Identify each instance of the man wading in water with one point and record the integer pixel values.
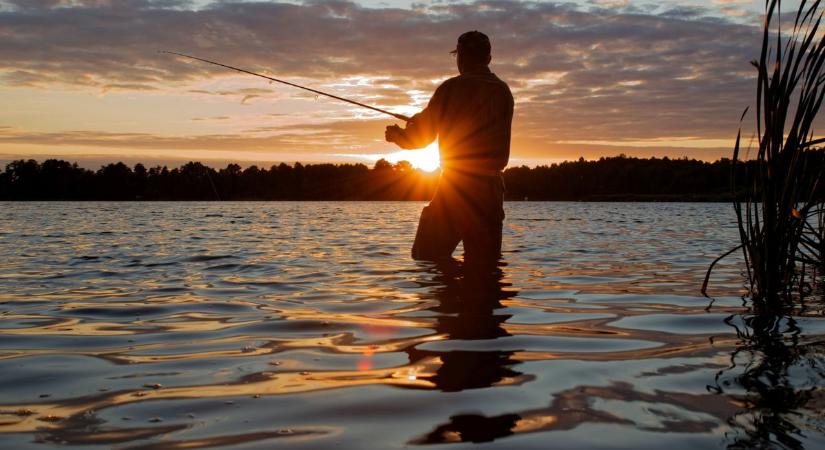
(471, 115)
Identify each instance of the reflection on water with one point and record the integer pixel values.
(776, 372)
(464, 308)
(194, 325)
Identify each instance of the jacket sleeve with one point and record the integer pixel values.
(422, 130)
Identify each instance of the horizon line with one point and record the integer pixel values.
(212, 162)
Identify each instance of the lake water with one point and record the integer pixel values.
(307, 325)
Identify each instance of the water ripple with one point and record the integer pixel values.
(193, 325)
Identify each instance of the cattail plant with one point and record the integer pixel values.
(780, 217)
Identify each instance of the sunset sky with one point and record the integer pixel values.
(82, 80)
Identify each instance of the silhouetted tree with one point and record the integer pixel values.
(609, 178)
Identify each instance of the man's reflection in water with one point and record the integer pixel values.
(468, 299)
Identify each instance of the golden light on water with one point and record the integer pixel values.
(425, 159)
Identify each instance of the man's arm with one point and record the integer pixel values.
(422, 129)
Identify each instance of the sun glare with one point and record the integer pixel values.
(425, 159)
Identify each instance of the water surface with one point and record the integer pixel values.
(306, 324)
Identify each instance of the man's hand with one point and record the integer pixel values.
(393, 133)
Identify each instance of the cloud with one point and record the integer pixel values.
(306, 138)
(213, 118)
(245, 94)
(609, 71)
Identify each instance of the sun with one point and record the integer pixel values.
(426, 159)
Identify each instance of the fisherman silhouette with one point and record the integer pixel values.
(471, 115)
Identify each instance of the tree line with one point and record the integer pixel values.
(609, 178)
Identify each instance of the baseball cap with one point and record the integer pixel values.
(473, 42)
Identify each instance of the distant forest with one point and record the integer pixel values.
(618, 178)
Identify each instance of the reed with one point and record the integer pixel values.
(780, 217)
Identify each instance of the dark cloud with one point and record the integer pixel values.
(578, 72)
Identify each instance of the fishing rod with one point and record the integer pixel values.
(397, 116)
